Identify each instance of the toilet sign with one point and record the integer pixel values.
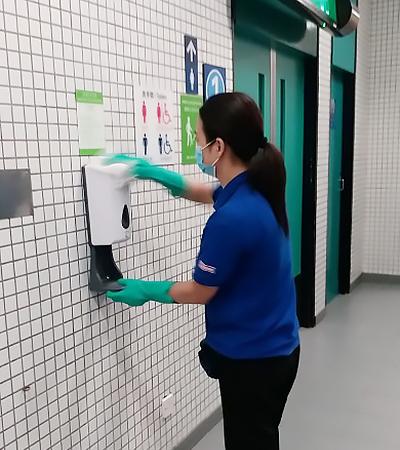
(214, 79)
(155, 124)
(191, 65)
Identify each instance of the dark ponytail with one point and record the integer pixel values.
(267, 174)
(236, 119)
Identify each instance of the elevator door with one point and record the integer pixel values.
(336, 185)
(290, 139)
(252, 74)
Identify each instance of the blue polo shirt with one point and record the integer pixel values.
(245, 253)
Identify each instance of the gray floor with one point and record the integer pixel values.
(347, 394)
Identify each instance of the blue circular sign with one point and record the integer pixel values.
(215, 83)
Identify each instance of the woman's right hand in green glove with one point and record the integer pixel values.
(144, 170)
(139, 167)
(173, 181)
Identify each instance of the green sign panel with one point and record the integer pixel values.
(326, 6)
(190, 105)
(91, 122)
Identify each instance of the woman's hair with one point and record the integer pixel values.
(236, 119)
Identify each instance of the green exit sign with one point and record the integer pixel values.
(341, 17)
(326, 6)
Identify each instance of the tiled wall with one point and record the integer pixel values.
(362, 141)
(325, 46)
(382, 232)
(95, 372)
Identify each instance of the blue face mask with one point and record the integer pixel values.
(208, 169)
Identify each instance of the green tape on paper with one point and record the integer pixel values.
(89, 97)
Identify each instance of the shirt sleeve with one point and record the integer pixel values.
(219, 253)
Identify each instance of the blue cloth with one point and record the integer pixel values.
(245, 253)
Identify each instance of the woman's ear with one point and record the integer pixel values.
(220, 145)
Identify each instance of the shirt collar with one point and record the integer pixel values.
(227, 192)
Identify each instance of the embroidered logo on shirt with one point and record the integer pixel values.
(206, 268)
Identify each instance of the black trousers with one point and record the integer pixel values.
(254, 395)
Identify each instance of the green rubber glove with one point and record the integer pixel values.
(144, 170)
(138, 292)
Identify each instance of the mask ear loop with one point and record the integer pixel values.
(215, 162)
(207, 145)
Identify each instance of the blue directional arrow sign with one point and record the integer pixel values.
(191, 65)
(214, 79)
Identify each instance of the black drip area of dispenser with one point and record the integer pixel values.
(104, 273)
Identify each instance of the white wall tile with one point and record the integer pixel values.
(382, 229)
(362, 141)
(98, 370)
(100, 360)
(324, 96)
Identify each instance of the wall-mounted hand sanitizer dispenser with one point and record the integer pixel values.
(107, 211)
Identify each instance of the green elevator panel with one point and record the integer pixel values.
(290, 139)
(335, 185)
(252, 74)
(344, 52)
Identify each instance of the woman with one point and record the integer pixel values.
(243, 271)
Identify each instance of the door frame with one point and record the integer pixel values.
(346, 197)
(335, 183)
(306, 282)
(348, 75)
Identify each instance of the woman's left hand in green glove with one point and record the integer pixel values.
(139, 292)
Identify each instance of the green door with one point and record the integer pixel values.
(335, 185)
(290, 139)
(252, 74)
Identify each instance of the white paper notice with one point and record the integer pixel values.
(91, 129)
(155, 124)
